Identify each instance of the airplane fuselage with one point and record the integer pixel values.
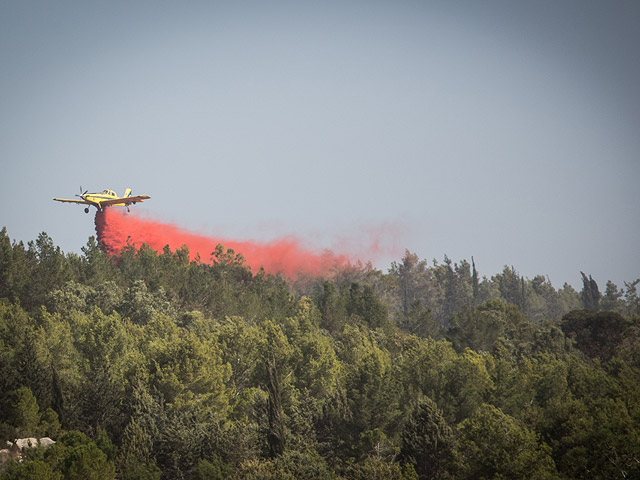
(104, 199)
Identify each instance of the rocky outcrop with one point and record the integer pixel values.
(15, 449)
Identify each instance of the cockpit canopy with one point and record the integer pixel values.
(111, 193)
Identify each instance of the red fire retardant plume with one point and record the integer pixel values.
(115, 228)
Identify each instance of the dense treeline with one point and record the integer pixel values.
(152, 366)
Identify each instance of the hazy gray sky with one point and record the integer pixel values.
(505, 130)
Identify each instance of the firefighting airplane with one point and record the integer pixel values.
(105, 198)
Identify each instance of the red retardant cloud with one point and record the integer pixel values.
(115, 228)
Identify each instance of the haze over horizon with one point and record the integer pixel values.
(505, 131)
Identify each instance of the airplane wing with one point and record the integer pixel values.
(69, 200)
(124, 200)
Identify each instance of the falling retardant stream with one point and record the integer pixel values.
(287, 256)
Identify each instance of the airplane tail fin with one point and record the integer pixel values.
(127, 193)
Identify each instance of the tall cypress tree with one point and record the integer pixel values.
(474, 279)
(590, 294)
(427, 442)
(275, 437)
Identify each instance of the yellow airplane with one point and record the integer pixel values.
(105, 198)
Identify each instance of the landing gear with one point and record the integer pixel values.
(86, 210)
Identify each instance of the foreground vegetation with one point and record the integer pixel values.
(150, 366)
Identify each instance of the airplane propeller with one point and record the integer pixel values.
(81, 192)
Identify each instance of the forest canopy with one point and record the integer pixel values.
(146, 365)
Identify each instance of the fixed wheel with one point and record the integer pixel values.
(86, 210)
